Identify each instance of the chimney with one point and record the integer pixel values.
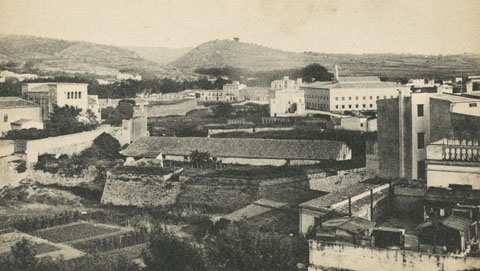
(335, 71)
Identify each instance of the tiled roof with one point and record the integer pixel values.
(354, 85)
(15, 102)
(236, 147)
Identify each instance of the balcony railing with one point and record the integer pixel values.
(461, 150)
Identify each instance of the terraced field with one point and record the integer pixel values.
(66, 233)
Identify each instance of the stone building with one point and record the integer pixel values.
(287, 103)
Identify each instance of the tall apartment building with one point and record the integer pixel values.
(61, 94)
(407, 124)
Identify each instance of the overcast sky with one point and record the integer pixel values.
(346, 26)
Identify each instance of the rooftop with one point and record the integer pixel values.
(454, 98)
(353, 225)
(236, 147)
(324, 202)
(259, 207)
(353, 82)
(15, 102)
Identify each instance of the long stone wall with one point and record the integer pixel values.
(171, 109)
(140, 190)
(330, 256)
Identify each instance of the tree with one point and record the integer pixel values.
(242, 247)
(165, 251)
(315, 72)
(124, 110)
(24, 255)
(88, 119)
(106, 146)
(199, 158)
(63, 120)
(222, 110)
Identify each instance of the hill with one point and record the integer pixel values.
(222, 53)
(160, 55)
(53, 56)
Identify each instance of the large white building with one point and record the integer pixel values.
(61, 94)
(350, 93)
(286, 103)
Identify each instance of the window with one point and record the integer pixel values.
(343, 98)
(336, 107)
(343, 106)
(378, 97)
(421, 170)
(5, 118)
(356, 106)
(391, 96)
(79, 95)
(349, 106)
(349, 98)
(420, 110)
(371, 105)
(75, 94)
(371, 98)
(364, 97)
(364, 106)
(472, 105)
(68, 96)
(361, 124)
(356, 98)
(421, 140)
(336, 98)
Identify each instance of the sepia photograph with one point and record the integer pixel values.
(239, 135)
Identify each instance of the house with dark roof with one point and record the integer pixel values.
(17, 113)
(350, 230)
(250, 151)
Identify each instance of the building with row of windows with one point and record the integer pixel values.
(350, 93)
(61, 94)
(286, 99)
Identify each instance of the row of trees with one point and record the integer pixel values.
(310, 73)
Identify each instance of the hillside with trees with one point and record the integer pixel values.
(253, 57)
(53, 56)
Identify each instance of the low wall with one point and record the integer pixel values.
(344, 178)
(66, 144)
(340, 256)
(181, 108)
(248, 130)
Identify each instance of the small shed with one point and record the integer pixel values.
(350, 230)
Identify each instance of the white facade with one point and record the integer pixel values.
(362, 124)
(286, 83)
(453, 162)
(287, 102)
(233, 88)
(71, 94)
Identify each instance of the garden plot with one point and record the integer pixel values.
(74, 231)
(41, 246)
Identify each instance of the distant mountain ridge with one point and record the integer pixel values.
(253, 57)
(160, 55)
(53, 55)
